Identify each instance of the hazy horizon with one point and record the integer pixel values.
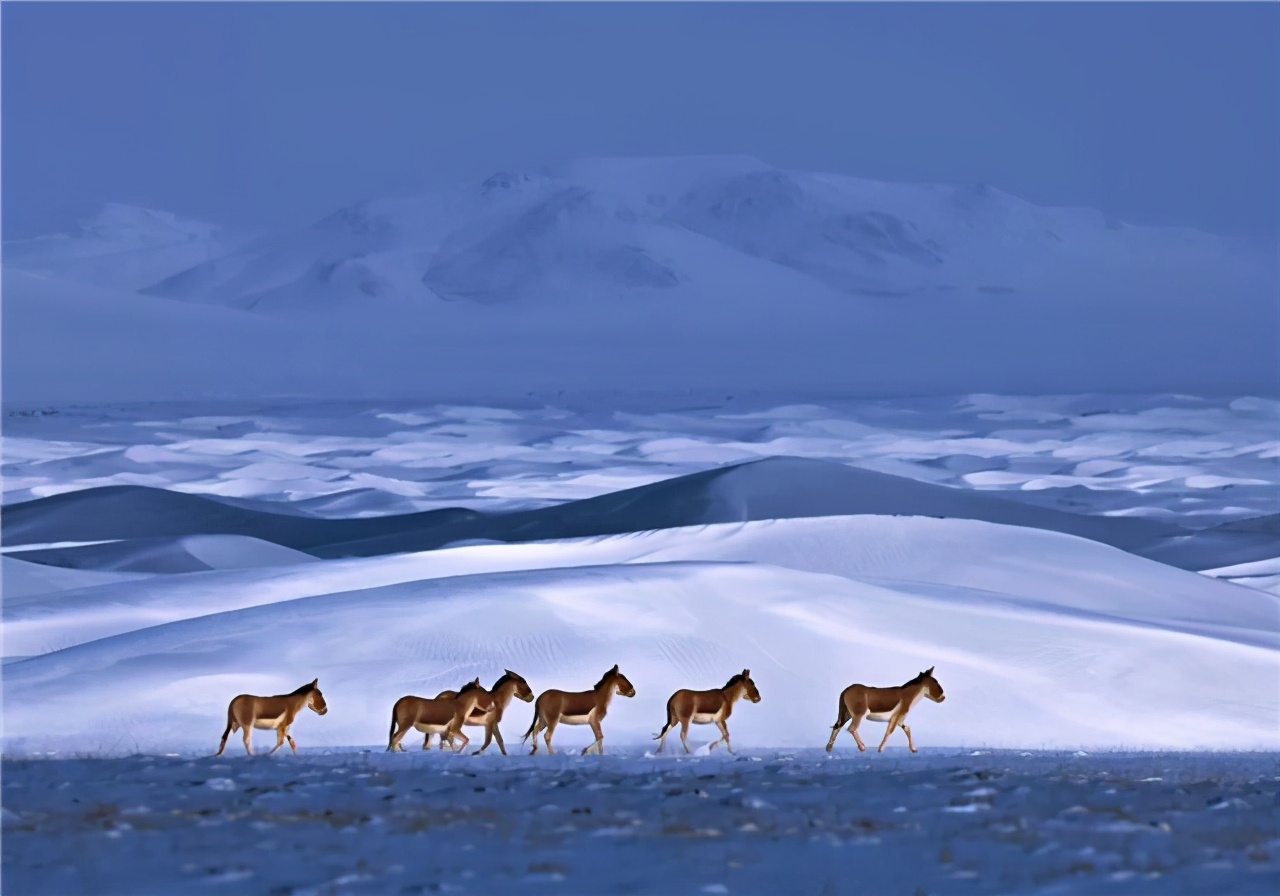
(275, 115)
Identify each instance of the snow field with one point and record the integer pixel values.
(1028, 654)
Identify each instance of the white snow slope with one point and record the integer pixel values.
(1040, 639)
(645, 273)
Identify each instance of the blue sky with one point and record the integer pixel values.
(276, 114)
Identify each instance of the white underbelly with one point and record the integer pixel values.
(879, 716)
(430, 729)
(268, 723)
(576, 720)
(702, 718)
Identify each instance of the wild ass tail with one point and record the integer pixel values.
(671, 720)
(843, 715)
(532, 725)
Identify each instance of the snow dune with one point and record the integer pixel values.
(1040, 639)
(1261, 574)
(19, 578)
(191, 553)
(772, 488)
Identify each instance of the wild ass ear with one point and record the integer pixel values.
(315, 682)
(746, 673)
(476, 680)
(615, 668)
(509, 673)
(928, 672)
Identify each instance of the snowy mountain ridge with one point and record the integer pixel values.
(716, 272)
(610, 226)
(122, 246)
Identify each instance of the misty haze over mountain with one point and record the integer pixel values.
(663, 273)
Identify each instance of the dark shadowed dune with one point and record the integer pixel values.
(773, 488)
(133, 512)
(1239, 541)
(187, 553)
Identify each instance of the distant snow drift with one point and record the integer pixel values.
(717, 272)
(1040, 639)
(134, 528)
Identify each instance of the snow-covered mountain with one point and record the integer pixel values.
(600, 228)
(122, 246)
(703, 272)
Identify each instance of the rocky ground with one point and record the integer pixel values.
(767, 822)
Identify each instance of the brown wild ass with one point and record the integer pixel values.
(436, 716)
(891, 705)
(248, 712)
(508, 686)
(701, 707)
(577, 708)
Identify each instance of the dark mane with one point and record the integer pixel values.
(605, 677)
(732, 681)
(305, 689)
(469, 686)
(919, 678)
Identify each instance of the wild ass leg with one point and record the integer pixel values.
(462, 746)
(247, 728)
(279, 740)
(426, 741)
(894, 720)
(842, 716)
(724, 730)
(907, 732)
(853, 731)
(661, 736)
(599, 742)
(684, 734)
(488, 739)
(292, 745)
(491, 733)
(394, 746)
(551, 726)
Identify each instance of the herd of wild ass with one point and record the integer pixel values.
(447, 713)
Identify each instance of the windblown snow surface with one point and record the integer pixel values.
(1089, 576)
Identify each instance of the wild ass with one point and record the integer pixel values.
(891, 705)
(248, 711)
(577, 708)
(702, 707)
(437, 716)
(508, 686)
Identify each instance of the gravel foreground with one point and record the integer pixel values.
(941, 821)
